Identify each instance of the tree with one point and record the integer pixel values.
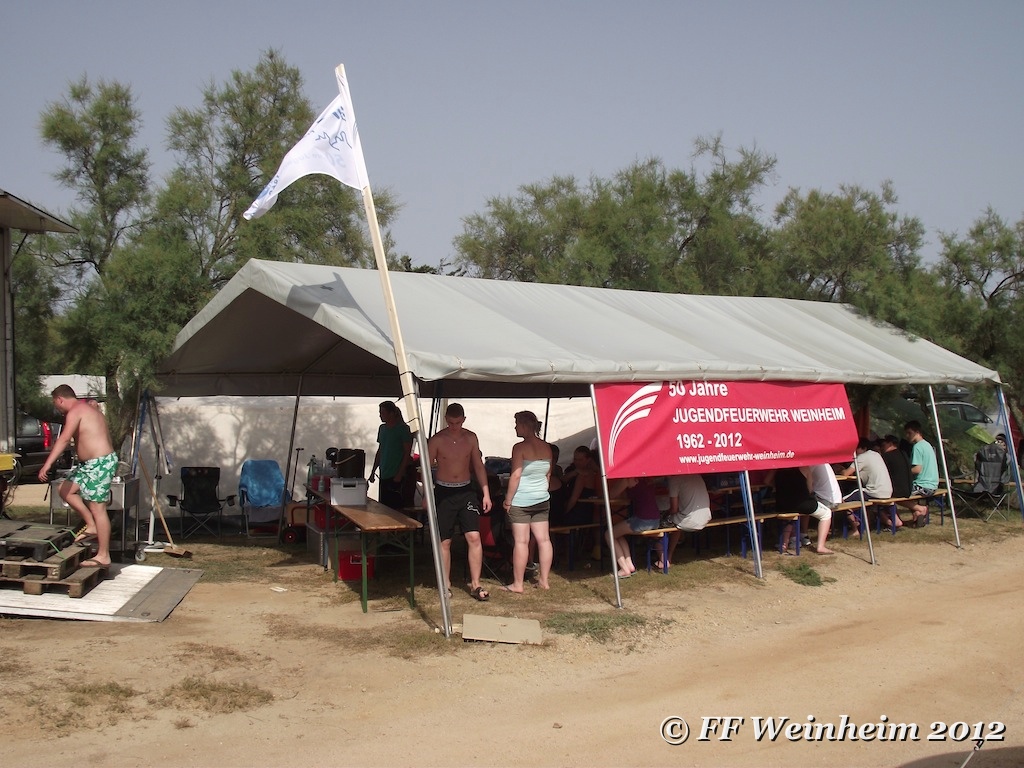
(647, 228)
(850, 246)
(34, 293)
(95, 128)
(228, 149)
(145, 265)
(983, 274)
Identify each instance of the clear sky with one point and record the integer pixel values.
(458, 102)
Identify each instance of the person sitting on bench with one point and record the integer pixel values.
(874, 479)
(925, 471)
(689, 510)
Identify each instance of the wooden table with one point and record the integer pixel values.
(376, 524)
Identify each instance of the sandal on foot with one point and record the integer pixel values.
(481, 594)
(94, 563)
(82, 535)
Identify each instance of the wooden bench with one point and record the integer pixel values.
(894, 503)
(650, 536)
(573, 531)
(852, 506)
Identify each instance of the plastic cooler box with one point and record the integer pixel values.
(347, 491)
(350, 565)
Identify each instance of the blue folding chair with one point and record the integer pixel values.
(262, 496)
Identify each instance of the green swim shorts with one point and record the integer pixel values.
(94, 476)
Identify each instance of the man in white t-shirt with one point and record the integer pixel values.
(821, 482)
(689, 509)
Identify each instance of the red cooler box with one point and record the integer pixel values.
(350, 565)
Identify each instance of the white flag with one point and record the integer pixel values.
(330, 146)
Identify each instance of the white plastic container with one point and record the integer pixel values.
(349, 492)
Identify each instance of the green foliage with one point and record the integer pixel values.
(802, 574)
(849, 247)
(141, 265)
(647, 228)
(228, 149)
(95, 128)
(35, 292)
(982, 275)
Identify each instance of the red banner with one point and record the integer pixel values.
(690, 427)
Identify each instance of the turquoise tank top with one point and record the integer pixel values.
(533, 483)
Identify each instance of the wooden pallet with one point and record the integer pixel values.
(78, 584)
(33, 540)
(56, 567)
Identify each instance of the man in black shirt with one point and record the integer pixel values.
(899, 472)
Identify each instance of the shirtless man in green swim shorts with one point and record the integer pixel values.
(88, 486)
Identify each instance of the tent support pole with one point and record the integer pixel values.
(547, 414)
(435, 535)
(945, 468)
(866, 531)
(748, 508)
(133, 455)
(607, 505)
(1004, 415)
(288, 461)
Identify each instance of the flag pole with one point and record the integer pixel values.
(412, 408)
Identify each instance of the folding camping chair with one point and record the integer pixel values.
(200, 501)
(496, 540)
(262, 496)
(988, 496)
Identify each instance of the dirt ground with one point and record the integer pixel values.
(929, 635)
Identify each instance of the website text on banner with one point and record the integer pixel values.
(687, 427)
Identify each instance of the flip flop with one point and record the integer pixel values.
(823, 553)
(481, 594)
(81, 535)
(93, 563)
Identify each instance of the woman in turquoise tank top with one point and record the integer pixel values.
(527, 501)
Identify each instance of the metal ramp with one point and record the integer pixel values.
(140, 593)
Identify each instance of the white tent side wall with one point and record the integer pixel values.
(225, 431)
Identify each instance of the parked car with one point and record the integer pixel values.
(34, 438)
(986, 419)
(941, 391)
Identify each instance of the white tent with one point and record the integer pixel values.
(287, 329)
(292, 329)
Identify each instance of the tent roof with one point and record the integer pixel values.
(15, 213)
(275, 322)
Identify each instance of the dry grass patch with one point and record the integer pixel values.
(9, 663)
(112, 697)
(238, 559)
(594, 625)
(214, 697)
(78, 706)
(218, 656)
(405, 640)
